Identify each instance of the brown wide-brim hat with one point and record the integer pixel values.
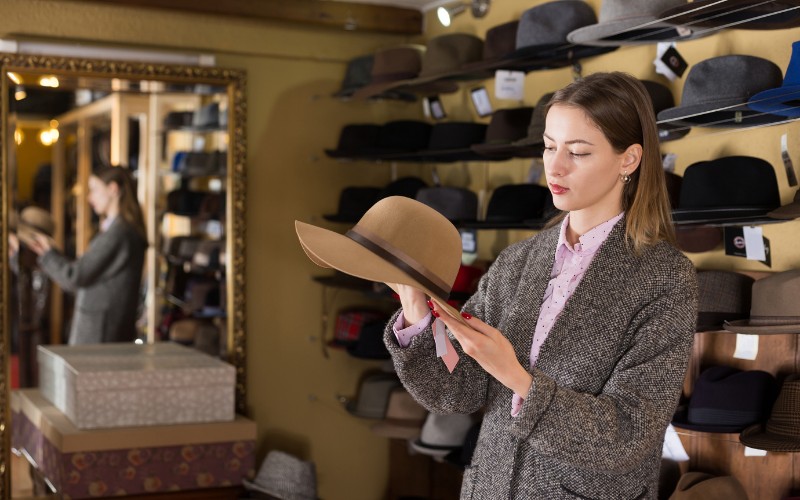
(774, 308)
(789, 211)
(702, 486)
(398, 241)
(391, 67)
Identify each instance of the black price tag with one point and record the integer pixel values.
(674, 61)
(735, 244)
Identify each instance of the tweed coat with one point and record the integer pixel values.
(605, 385)
(106, 280)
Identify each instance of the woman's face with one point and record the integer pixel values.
(102, 196)
(582, 169)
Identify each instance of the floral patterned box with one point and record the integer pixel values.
(127, 384)
(131, 460)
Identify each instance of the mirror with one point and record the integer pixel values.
(180, 132)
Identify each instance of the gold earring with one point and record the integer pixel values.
(625, 178)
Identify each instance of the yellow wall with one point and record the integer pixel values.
(291, 70)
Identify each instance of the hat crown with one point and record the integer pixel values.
(37, 218)
(724, 291)
(455, 203)
(508, 125)
(397, 63)
(373, 395)
(729, 80)
(614, 10)
(551, 22)
(358, 72)
(776, 297)
(445, 430)
(517, 202)
(785, 417)
(740, 181)
(500, 40)
(285, 476)
(792, 76)
(449, 52)
(727, 396)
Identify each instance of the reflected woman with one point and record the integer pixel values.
(107, 277)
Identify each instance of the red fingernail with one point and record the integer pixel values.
(466, 315)
(435, 314)
(430, 304)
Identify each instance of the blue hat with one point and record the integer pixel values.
(782, 101)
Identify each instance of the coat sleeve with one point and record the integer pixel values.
(618, 428)
(425, 375)
(86, 270)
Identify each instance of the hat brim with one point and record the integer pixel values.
(735, 114)
(398, 429)
(332, 250)
(550, 56)
(709, 14)
(744, 326)
(777, 101)
(434, 451)
(620, 32)
(342, 218)
(756, 436)
(786, 212)
(720, 215)
(441, 155)
(716, 429)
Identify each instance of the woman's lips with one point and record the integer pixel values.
(556, 189)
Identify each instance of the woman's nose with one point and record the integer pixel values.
(554, 165)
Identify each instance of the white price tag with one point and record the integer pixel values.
(746, 346)
(753, 452)
(509, 84)
(673, 448)
(754, 243)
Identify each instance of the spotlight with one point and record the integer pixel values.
(446, 14)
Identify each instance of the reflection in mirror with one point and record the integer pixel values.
(72, 141)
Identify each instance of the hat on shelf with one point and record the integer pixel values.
(723, 296)
(355, 138)
(630, 22)
(542, 36)
(391, 244)
(532, 144)
(781, 432)
(661, 96)
(369, 344)
(449, 142)
(399, 137)
(505, 127)
(784, 100)
(404, 416)
(727, 190)
(673, 182)
(209, 117)
(499, 42)
(459, 205)
(200, 334)
(712, 15)
(444, 57)
(726, 399)
(467, 280)
(407, 186)
(390, 66)
(356, 76)
(515, 206)
(442, 434)
(716, 91)
(774, 306)
(373, 395)
(349, 324)
(178, 119)
(788, 211)
(354, 201)
(201, 163)
(696, 239)
(286, 477)
(702, 486)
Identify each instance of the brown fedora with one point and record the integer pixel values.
(724, 296)
(444, 57)
(789, 211)
(782, 429)
(390, 66)
(775, 308)
(398, 240)
(702, 486)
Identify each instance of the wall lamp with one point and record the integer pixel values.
(447, 12)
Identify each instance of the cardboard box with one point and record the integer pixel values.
(130, 460)
(126, 384)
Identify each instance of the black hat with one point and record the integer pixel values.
(740, 14)
(515, 205)
(404, 186)
(369, 344)
(354, 201)
(505, 127)
(457, 204)
(727, 190)
(355, 138)
(726, 399)
(449, 141)
(399, 137)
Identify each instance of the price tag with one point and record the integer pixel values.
(787, 162)
(753, 452)
(509, 84)
(746, 346)
(673, 448)
(754, 243)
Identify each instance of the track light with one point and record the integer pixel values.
(447, 12)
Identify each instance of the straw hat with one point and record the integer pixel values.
(398, 240)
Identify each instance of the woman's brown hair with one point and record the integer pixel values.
(619, 105)
(129, 208)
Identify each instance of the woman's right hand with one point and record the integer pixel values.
(414, 303)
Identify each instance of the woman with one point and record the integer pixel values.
(106, 278)
(579, 337)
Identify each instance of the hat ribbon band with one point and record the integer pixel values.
(398, 258)
(774, 320)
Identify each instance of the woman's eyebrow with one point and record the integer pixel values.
(573, 141)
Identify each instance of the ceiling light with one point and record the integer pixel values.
(15, 77)
(19, 93)
(48, 81)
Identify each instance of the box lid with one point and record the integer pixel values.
(127, 365)
(60, 431)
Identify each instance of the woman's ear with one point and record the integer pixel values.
(631, 158)
(114, 188)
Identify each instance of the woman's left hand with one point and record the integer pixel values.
(490, 348)
(41, 244)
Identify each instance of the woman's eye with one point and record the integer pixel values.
(578, 155)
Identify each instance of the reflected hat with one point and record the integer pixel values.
(716, 91)
(285, 476)
(789, 211)
(542, 36)
(698, 238)
(441, 434)
(505, 127)
(774, 308)
(726, 399)
(455, 203)
(404, 416)
(391, 66)
(702, 486)
(630, 22)
(373, 395)
(727, 190)
(737, 14)
(783, 100)
(354, 139)
(723, 296)
(356, 76)
(391, 244)
(781, 432)
(511, 205)
(354, 201)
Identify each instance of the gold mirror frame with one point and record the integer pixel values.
(236, 83)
